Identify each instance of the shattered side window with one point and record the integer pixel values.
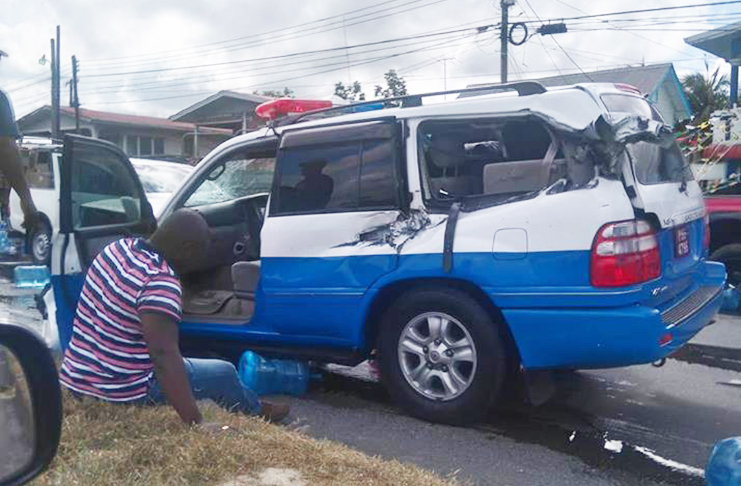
(500, 157)
(235, 178)
(654, 164)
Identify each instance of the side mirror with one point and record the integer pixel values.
(724, 466)
(30, 406)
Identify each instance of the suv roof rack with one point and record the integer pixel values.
(523, 88)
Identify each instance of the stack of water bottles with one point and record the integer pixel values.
(26, 276)
(274, 376)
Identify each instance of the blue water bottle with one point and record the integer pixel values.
(724, 466)
(31, 276)
(4, 240)
(731, 299)
(273, 376)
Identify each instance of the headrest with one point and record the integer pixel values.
(447, 152)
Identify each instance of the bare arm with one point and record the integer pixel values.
(161, 334)
(10, 166)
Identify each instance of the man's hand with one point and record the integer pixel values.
(161, 334)
(31, 217)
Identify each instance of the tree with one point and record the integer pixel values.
(395, 85)
(350, 93)
(706, 93)
(270, 93)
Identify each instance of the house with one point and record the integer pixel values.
(137, 136)
(724, 42)
(225, 109)
(659, 82)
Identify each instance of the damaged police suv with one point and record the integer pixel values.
(468, 242)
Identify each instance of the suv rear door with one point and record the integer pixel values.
(336, 192)
(101, 200)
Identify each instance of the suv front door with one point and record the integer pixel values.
(327, 236)
(101, 200)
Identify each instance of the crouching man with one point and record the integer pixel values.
(124, 345)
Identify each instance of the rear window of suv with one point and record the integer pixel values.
(653, 164)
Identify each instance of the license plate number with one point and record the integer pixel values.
(681, 241)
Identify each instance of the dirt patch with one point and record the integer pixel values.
(127, 445)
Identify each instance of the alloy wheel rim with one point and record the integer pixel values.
(41, 243)
(437, 356)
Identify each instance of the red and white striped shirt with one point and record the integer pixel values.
(107, 356)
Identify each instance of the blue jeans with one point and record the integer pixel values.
(213, 379)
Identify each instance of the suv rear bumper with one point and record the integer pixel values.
(619, 336)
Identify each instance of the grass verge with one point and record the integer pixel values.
(125, 445)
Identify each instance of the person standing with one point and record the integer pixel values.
(11, 169)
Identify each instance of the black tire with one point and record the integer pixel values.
(485, 379)
(730, 255)
(40, 244)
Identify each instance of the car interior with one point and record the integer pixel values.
(223, 288)
(487, 157)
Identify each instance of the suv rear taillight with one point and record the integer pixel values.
(625, 253)
(706, 234)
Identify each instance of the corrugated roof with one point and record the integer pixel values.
(93, 116)
(645, 78)
(221, 94)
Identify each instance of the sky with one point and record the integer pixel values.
(157, 57)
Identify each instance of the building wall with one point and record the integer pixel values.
(666, 105)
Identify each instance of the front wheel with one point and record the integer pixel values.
(441, 356)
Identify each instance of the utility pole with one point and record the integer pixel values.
(55, 86)
(54, 108)
(504, 38)
(75, 98)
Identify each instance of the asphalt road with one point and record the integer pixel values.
(637, 425)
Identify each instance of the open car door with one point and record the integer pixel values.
(101, 200)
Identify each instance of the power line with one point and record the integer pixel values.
(626, 12)
(285, 56)
(291, 36)
(342, 67)
(148, 86)
(243, 37)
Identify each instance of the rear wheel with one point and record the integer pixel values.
(41, 244)
(730, 255)
(441, 356)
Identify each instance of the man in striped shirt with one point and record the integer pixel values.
(124, 345)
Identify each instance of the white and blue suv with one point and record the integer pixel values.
(465, 241)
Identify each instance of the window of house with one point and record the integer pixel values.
(145, 145)
(142, 145)
(159, 146)
(485, 157)
(340, 177)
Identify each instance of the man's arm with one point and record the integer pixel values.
(161, 334)
(10, 162)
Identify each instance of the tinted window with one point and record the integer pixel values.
(103, 191)
(656, 165)
(237, 177)
(319, 178)
(38, 170)
(629, 104)
(378, 186)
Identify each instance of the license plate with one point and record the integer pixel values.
(681, 241)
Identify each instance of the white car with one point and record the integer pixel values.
(41, 161)
(160, 180)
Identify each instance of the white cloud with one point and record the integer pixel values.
(117, 30)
